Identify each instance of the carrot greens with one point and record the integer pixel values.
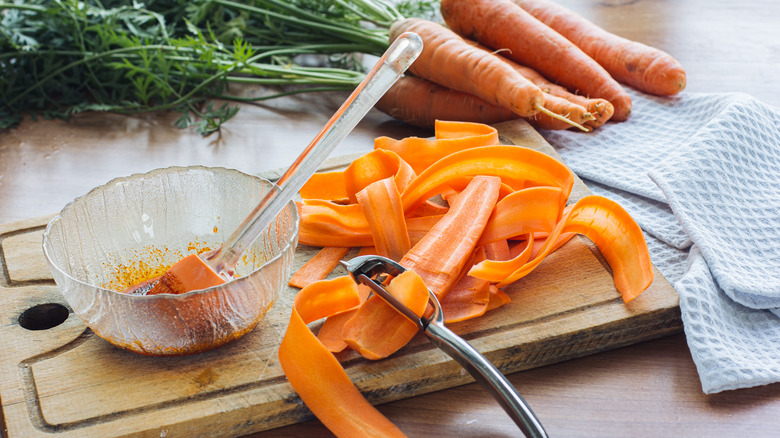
(59, 58)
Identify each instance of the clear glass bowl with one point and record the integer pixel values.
(118, 233)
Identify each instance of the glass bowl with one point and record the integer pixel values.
(136, 227)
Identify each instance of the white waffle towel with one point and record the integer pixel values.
(700, 173)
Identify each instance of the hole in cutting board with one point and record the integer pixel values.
(43, 316)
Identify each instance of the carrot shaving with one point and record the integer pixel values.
(325, 185)
(318, 267)
(326, 388)
(524, 211)
(498, 270)
(518, 167)
(497, 250)
(381, 205)
(497, 298)
(450, 137)
(617, 236)
(454, 236)
(374, 166)
(330, 334)
(469, 298)
(377, 330)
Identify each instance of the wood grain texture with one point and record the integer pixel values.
(648, 389)
(67, 381)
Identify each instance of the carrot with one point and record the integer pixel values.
(501, 24)
(646, 68)
(497, 298)
(381, 204)
(318, 267)
(600, 109)
(374, 166)
(316, 374)
(378, 330)
(451, 62)
(524, 211)
(450, 137)
(517, 166)
(614, 232)
(325, 185)
(498, 250)
(330, 333)
(498, 270)
(441, 255)
(469, 298)
(420, 102)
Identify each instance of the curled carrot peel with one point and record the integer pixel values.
(325, 185)
(497, 298)
(381, 205)
(469, 298)
(318, 267)
(450, 137)
(518, 167)
(454, 236)
(378, 330)
(617, 236)
(375, 166)
(498, 270)
(326, 388)
(524, 211)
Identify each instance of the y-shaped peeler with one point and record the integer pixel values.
(373, 270)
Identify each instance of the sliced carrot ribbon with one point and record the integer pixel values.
(375, 166)
(499, 270)
(617, 236)
(497, 298)
(378, 330)
(325, 185)
(318, 267)
(450, 137)
(316, 374)
(469, 298)
(525, 211)
(454, 236)
(518, 167)
(381, 205)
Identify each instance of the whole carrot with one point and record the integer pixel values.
(501, 24)
(448, 60)
(646, 68)
(420, 102)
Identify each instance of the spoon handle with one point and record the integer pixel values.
(393, 63)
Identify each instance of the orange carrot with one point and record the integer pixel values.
(469, 298)
(498, 250)
(373, 166)
(378, 330)
(614, 232)
(325, 185)
(454, 237)
(646, 68)
(450, 137)
(381, 204)
(318, 267)
(420, 102)
(524, 211)
(330, 334)
(498, 270)
(497, 298)
(600, 109)
(451, 62)
(501, 24)
(518, 167)
(318, 377)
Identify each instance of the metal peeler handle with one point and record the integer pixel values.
(486, 374)
(364, 268)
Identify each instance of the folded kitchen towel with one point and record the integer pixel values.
(701, 174)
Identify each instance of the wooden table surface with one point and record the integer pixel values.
(648, 389)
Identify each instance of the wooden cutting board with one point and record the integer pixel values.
(65, 380)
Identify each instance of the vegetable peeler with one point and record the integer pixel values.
(374, 270)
